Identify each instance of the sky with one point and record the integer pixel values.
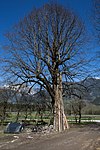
(11, 11)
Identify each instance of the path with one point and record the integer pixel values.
(82, 138)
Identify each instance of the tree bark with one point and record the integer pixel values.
(60, 121)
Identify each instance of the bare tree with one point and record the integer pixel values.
(45, 48)
(5, 98)
(42, 102)
(77, 106)
(22, 100)
(75, 96)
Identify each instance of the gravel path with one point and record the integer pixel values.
(76, 138)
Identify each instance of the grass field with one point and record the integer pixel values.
(11, 117)
(86, 117)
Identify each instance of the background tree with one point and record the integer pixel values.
(22, 101)
(5, 99)
(77, 105)
(42, 102)
(74, 94)
(45, 48)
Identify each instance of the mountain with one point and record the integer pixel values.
(96, 101)
(88, 90)
(93, 89)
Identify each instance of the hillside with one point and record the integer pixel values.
(88, 90)
(93, 90)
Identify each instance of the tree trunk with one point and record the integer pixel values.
(60, 121)
(17, 116)
(76, 118)
(26, 112)
(80, 116)
(4, 111)
(80, 108)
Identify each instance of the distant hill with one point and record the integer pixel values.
(88, 89)
(93, 90)
(96, 101)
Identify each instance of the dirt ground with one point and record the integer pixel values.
(86, 137)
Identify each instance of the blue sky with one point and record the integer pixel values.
(11, 11)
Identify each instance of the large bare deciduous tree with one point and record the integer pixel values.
(45, 49)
